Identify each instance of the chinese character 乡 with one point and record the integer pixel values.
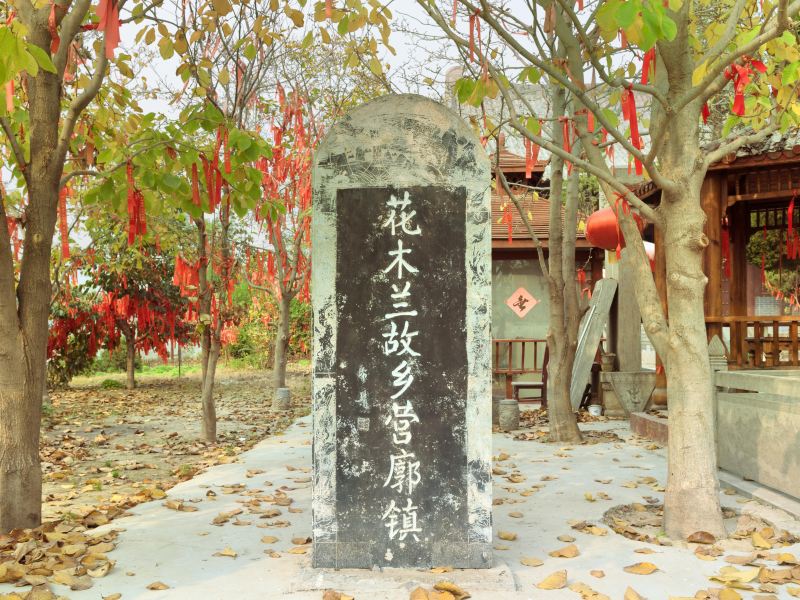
(399, 262)
(403, 472)
(402, 521)
(402, 379)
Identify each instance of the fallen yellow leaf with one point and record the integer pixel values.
(531, 562)
(554, 581)
(158, 586)
(570, 551)
(632, 594)
(641, 568)
(729, 594)
(230, 552)
(759, 541)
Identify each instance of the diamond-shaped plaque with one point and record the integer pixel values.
(521, 302)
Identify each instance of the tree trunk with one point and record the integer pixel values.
(209, 407)
(691, 502)
(23, 326)
(130, 362)
(563, 424)
(20, 470)
(281, 343)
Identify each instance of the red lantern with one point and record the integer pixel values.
(602, 229)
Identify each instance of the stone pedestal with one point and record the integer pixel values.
(282, 400)
(508, 417)
(401, 241)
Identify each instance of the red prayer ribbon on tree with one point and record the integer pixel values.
(108, 12)
(195, 186)
(10, 97)
(725, 241)
(531, 157)
(648, 61)
(740, 75)
(790, 235)
(52, 27)
(62, 222)
(705, 112)
(629, 114)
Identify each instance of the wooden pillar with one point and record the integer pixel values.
(713, 198)
(629, 320)
(660, 391)
(598, 256)
(739, 227)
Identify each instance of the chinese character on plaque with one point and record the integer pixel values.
(521, 302)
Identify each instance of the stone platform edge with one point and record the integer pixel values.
(650, 427)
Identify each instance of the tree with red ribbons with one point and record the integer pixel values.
(132, 299)
(51, 72)
(744, 58)
(283, 268)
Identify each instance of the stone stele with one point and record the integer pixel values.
(401, 284)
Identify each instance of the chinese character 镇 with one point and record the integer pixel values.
(402, 521)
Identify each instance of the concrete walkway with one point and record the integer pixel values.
(555, 486)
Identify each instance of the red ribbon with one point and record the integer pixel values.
(649, 60)
(567, 143)
(705, 112)
(52, 27)
(726, 246)
(531, 157)
(629, 114)
(509, 221)
(62, 222)
(108, 11)
(195, 186)
(10, 97)
(740, 75)
(137, 220)
(790, 226)
(474, 29)
(764, 258)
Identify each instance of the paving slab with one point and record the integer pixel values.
(177, 548)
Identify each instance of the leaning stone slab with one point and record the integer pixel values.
(401, 241)
(589, 334)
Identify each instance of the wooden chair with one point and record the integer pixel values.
(535, 385)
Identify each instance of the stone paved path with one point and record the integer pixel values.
(177, 548)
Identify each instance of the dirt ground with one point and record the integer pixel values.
(105, 449)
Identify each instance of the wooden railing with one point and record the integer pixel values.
(758, 342)
(517, 357)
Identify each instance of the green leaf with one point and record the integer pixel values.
(789, 74)
(464, 88)
(41, 58)
(626, 14)
(170, 181)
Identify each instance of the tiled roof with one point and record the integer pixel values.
(513, 163)
(538, 211)
(773, 148)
